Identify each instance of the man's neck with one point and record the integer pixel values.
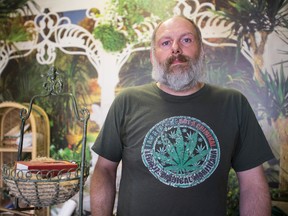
(186, 92)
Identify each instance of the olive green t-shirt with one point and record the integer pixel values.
(177, 151)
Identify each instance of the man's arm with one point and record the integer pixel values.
(254, 193)
(103, 187)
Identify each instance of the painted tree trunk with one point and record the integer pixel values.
(281, 126)
(258, 46)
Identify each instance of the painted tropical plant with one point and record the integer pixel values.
(71, 152)
(277, 92)
(111, 39)
(276, 85)
(233, 195)
(76, 75)
(253, 21)
(12, 28)
(253, 17)
(136, 71)
(117, 30)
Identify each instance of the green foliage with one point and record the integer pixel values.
(233, 195)
(136, 71)
(219, 74)
(74, 152)
(278, 194)
(9, 7)
(132, 13)
(70, 154)
(5, 91)
(24, 81)
(276, 93)
(223, 69)
(255, 15)
(75, 71)
(29, 80)
(135, 10)
(270, 99)
(249, 16)
(12, 28)
(111, 39)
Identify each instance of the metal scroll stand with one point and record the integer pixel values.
(54, 86)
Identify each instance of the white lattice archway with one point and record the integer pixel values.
(54, 32)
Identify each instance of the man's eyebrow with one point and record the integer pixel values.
(182, 35)
(188, 33)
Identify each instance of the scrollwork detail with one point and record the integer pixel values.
(54, 82)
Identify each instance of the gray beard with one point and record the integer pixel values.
(178, 78)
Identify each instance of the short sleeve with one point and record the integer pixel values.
(252, 148)
(108, 142)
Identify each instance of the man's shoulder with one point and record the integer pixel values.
(223, 90)
(224, 94)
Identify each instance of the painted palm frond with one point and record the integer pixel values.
(12, 7)
(250, 16)
(12, 19)
(277, 91)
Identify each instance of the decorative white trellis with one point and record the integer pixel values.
(52, 32)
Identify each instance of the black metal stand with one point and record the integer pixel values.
(54, 87)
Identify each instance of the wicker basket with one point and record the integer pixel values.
(40, 190)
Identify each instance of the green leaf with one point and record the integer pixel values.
(111, 39)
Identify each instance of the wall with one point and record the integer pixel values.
(63, 34)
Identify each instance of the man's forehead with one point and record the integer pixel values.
(175, 25)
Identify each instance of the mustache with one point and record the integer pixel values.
(179, 57)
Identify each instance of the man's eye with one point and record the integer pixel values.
(187, 40)
(165, 43)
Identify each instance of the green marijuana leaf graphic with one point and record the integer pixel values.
(178, 153)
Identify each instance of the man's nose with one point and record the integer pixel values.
(176, 49)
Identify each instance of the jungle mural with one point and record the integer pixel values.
(104, 48)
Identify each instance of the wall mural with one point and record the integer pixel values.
(104, 47)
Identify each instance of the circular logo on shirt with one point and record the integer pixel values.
(181, 151)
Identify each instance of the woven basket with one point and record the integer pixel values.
(39, 190)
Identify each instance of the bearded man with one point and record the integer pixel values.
(177, 139)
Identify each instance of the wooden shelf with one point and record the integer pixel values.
(39, 128)
(13, 149)
(4, 147)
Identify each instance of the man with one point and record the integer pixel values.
(178, 138)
